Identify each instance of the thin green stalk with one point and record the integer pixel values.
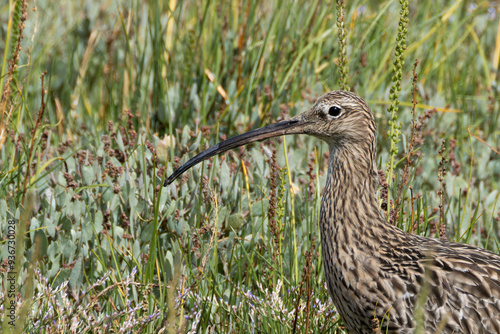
(395, 127)
(214, 236)
(343, 68)
(457, 238)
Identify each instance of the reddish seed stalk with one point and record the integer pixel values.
(406, 170)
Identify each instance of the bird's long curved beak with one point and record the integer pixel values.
(294, 125)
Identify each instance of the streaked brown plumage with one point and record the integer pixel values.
(372, 268)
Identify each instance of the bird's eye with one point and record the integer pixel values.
(335, 111)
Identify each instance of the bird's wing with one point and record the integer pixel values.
(462, 284)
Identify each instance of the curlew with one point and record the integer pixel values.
(410, 283)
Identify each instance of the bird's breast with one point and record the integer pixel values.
(360, 289)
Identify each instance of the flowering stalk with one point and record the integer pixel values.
(395, 127)
(343, 69)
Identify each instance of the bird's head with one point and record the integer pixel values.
(340, 118)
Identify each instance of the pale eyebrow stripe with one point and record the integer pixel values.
(347, 104)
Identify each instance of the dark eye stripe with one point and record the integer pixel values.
(335, 111)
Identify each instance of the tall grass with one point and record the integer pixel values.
(134, 89)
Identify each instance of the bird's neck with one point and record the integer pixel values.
(353, 230)
(349, 199)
